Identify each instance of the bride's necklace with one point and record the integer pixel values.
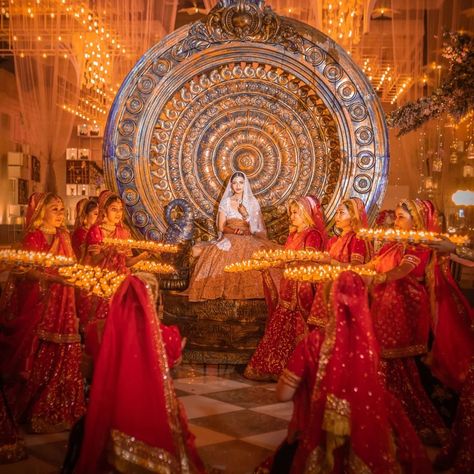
(48, 229)
(108, 227)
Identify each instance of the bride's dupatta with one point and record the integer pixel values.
(134, 421)
(349, 427)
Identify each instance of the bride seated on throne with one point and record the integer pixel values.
(241, 232)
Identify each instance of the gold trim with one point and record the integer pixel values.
(357, 465)
(357, 258)
(464, 252)
(411, 259)
(290, 379)
(172, 406)
(58, 338)
(133, 456)
(409, 351)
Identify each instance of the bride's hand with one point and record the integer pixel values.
(243, 211)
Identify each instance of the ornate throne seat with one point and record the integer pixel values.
(241, 89)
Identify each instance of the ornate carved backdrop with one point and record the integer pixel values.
(244, 89)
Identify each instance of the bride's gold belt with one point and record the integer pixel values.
(237, 224)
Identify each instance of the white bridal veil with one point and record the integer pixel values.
(250, 203)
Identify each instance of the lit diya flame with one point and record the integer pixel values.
(150, 246)
(98, 281)
(319, 273)
(410, 236)
(283, 255)
(252, 264)
(30, 258)
(153, 267)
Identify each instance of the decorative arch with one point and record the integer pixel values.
(244, 89)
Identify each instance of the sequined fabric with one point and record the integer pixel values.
(42, 348)
(209, 281)
(286, 325)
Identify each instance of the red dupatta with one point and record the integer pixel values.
(133, 409)
(452, 315)
(348, 421)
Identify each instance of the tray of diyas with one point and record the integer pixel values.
(319, 273)
(95, 280)
(153, 267)
(287, 256)
(409, 236)
(148, 245)
(29, 258)
(252, 264)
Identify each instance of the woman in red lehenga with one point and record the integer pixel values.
(452, 319)
(109, 224)
(346, 248)
(289, 309)
(344, 421)
(134, 422)
(401, 314)
(87, 211)
(40, 343)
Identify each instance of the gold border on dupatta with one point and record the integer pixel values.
(130, 455)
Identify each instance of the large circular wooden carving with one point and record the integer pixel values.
(244, 90)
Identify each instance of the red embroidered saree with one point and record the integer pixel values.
(134, 419)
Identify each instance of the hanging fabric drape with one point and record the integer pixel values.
(70, 60)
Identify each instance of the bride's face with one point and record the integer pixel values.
(237, 185)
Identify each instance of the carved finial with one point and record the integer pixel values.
(243, 20)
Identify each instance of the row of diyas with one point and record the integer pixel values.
(284, 255)
(319, 273)
(98, 281)
(153, 267)
(252, 264)
(147, 245)
(411, 236)
(104, 283)
(27, 258)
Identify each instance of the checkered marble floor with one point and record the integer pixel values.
(237, 422)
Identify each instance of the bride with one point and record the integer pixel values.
(241, 232)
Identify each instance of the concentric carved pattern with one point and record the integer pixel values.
(252, 118)
(244, 90)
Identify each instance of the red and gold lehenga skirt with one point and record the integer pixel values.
(401, 314)
(288, 313)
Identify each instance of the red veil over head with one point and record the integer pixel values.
(348, 397)
(313, 213)
(352, 417)
(33, 211)
(452, 315)
(357, 209)
(423, 213)
(133, 415)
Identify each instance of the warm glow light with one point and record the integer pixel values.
(463, 198)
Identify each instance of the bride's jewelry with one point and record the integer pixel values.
(48, 229)
(108, 227)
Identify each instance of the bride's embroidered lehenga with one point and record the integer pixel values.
(241, 238)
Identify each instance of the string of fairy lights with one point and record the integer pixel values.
(71, 31)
